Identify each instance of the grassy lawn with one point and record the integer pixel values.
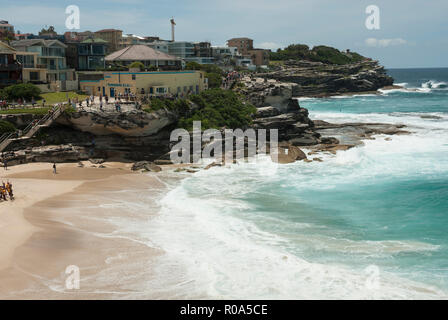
(57, 97)
(40, 111)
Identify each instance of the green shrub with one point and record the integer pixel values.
(214, 80)
(137, 65)
(219, 108)
(322, 54)
(22, 90)
(192, 66)
(6, 126)
(180, 106)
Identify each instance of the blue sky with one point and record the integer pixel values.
(413, 33)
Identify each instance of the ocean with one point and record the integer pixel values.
(367, 223)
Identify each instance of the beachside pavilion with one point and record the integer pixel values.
(146, 55)
(157, 83)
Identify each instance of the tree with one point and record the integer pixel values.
(137, 65)
(6, 126)
(322, 54)
(22, 90)
(192, 66)
(217, 108)
(50, 31)
(214, 80)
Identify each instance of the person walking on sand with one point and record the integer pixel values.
(5, 164)
(54, 168)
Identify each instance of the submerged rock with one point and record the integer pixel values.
(290, 154)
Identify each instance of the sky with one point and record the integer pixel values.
(412, 33)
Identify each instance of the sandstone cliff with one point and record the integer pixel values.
(319, 79)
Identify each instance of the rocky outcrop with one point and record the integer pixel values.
(290, 154)
(20, 121)
(146, 166)
(318, 79)
(277, 109)
(268, 93)
(129, 124)
(58, 154)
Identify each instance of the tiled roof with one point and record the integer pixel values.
(94, 40)
(4, 48)
(31, 42)
(139, 52)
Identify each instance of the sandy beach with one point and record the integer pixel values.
(73, 218)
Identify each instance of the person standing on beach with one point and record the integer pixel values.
(5, 164)
(54, 168)
(9, 190)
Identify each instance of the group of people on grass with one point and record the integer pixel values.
(6, 191)
(4, 104)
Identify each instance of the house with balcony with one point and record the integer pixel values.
(10, 69)
(87, 55)
(31, 70)
(51, 55)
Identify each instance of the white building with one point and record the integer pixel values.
(161, 46)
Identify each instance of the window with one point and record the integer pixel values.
(133, 77)
(34, 76)
(99, 89)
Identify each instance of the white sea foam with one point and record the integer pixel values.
(215, 248)
(227, 257)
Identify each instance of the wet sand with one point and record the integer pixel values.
(76, 218)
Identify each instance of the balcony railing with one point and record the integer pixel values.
(10, 67)
(7, 82)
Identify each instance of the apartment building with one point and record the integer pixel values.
(113, 38)
(87, 55)
(242, 44)
(10, 69)
(50, 56)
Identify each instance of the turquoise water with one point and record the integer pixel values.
(378, 212)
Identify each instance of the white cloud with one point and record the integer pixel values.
(382, 43)
(268, 45)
